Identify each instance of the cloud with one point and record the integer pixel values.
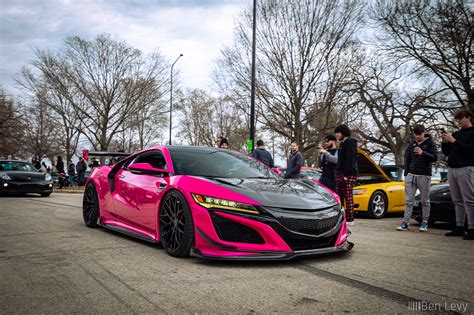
(198, 29)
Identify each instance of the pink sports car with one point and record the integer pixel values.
(214, 203)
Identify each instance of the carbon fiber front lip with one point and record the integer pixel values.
(345, 247)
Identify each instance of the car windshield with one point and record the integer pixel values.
(311, 174)
(219, 163)
(16, 166)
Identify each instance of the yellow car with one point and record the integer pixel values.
(379, 189)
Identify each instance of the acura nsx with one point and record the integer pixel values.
(214, 203)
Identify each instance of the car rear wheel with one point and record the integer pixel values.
(176, 225)
(378, 205)
(90, 206)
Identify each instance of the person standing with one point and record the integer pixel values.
(294, 162)
(71, 172)
(346, 170)
(94, 163)
(218, 141)
(327, 161)
(224, 144)
(81, 168)
(459, 149)
(421, 153)
(60, 165)
(261, 154)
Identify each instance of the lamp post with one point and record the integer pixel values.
(252, 94)
(171, 95)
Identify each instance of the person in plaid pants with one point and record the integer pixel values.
(346, 170)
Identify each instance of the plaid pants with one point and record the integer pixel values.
(344, 190)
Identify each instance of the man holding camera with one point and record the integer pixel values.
(327, 161)
(459, 148)
(421, 153)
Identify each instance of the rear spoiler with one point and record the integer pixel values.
(86, 153)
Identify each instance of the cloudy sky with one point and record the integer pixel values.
(199, 29)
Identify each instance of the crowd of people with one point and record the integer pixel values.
(338, 164)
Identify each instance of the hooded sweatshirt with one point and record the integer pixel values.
(347, 158)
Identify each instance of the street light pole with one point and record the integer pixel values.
(171, 96)
(252, 96)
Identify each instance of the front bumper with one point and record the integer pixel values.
(15, 187)
(274, 234)
(344, 247)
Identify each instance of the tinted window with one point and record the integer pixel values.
(219, 163)
(16, 166)
(155, 159)
(311, 174)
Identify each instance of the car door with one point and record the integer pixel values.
(136, 195)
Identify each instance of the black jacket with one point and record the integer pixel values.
(263, 155)
(347, 158)
(461, 152)
(293, 165)
(421, 164)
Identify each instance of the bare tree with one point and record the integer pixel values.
(11, 126)
(304, 49)
(387, 107)
(106, 81)
(205, 117)
(41, 138)
(439, 35)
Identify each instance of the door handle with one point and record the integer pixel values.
(121, 176)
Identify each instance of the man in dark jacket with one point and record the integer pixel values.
(262, 155)
(81, 168)
(346, 170)
(420, 154)
(327, 161)
(294, 163)
(459, 148)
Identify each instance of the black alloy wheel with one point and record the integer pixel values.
(378, 205)
(45, 194)
(90, 206)
(176, 225)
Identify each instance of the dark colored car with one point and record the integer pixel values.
(18, 177)
(442, 207)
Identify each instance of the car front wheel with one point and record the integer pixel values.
(176, 225)
(378, 205)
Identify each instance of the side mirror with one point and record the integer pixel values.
(278, 171)
(146, 168)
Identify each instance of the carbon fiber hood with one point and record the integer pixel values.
(298, 194)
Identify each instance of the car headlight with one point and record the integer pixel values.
(5, 176)
(359, 191)
(211, 202)
(47, 177)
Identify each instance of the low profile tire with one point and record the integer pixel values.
(90, 206)
(378, 205)
(45, 194)
(176, 225)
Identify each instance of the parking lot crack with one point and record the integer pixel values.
(366, 287)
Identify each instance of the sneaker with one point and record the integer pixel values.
(403, 227)
(469, 235)
(423, 227)
(350, 223)
(458, 231)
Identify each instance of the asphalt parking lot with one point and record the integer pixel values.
(51, 263)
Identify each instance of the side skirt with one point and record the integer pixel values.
(129, 233)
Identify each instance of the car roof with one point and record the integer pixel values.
(15, 161)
